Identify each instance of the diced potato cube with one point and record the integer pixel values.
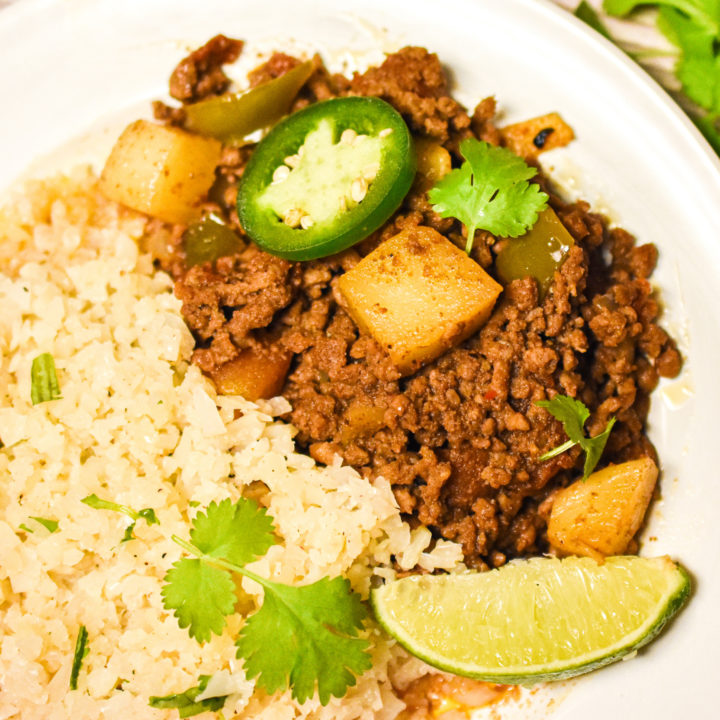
(433, 162)
(417, 294)
(600, 516)
(162, 171)
(253, 374)
(531, 137)
(361, 420)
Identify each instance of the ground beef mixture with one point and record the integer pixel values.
(459, 440)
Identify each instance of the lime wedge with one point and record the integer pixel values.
(533, 620)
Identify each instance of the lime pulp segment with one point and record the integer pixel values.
(533, 620)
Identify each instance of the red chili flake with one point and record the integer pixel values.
(490, 394)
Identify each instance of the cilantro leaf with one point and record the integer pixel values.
(587, 13)
(698, 67)
(594, 447)
(50, 525)
(201, 593)
(44, 385)
(201, 596)
(185, 702)
(573, 414)
(306, 634)
(705, 13)
(146, 514)
(709, 126)
(694, 27)
(238, 533)
(570, 412)
(81, 651)
(490, 191)
(129, 530)
(149, 516)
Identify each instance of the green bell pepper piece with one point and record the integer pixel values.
(209, 240)
(233, 116)
(538, 253)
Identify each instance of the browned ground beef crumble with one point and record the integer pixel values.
(459, 440)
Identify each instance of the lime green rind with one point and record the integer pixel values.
(673, 601)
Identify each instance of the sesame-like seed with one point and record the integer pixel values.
(348, 136)
(293, 217)
(280, 173)
(306, 222)
(371, 171)
(343, 204)
(358, 189)
(385, 132)
(292, 160)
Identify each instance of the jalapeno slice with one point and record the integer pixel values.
(326, 177)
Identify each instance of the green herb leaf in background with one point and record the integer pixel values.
(693, 26)
(185, 702)
(588, 15)
(705, 13)
(698, 67)
(44, 385)
(490, 191)
(709, 126)
(573, 415)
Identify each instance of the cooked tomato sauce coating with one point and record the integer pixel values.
(459, 440)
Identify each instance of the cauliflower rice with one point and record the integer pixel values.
(138, 425)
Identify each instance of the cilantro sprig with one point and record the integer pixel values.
(705, 13)
(146, 514)
(490, 191)
(573, 415)
(186, 703)
(301, 637)
(693, 26)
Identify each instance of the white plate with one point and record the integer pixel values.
(76, 66)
